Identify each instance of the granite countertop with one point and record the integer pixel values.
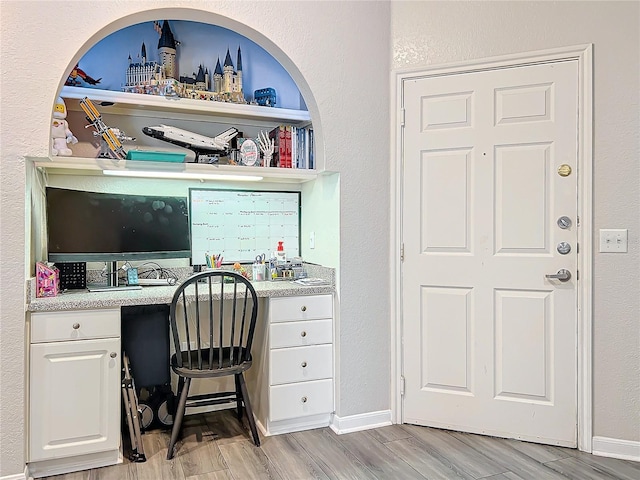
(154, 295)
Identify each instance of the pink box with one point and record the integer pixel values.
(47, 280)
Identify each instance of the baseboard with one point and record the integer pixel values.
(362, 421)
(17, 476)
(615, 448)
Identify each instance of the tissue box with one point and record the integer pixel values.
(47, 280)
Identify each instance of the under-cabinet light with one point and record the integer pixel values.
(182, 175)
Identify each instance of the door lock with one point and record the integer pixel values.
(563, 248)
(563, 275)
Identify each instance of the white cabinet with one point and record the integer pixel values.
(291, 382)
(74, 390)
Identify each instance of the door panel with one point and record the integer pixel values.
(489, 342)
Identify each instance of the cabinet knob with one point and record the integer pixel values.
(76, 326)
(303, 334)
(304, 399)
(304, 364)
(304, 308)
(113, 354)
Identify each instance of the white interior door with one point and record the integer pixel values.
(489, 342)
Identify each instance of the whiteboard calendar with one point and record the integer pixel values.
(241, 224)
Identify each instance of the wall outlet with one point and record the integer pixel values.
(312, 240)
(613, 240)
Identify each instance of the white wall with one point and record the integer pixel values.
(434, 32)
(341, 49)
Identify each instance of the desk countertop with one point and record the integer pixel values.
(82, 299)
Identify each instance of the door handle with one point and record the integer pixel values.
(563, 275)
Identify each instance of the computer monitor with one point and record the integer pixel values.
(107, 227)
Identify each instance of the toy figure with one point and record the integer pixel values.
(60, 133)
(79, 73)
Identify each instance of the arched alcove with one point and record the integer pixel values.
(293, 82)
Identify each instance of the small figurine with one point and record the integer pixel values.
(266, 147)
(78, 72)
(265, 97)
(60, 133)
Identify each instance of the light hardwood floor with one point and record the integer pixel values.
(215, 447)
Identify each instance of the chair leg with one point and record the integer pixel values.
(177, 420)
(249, 410)
(238, 396)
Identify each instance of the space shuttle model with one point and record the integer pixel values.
(201, 145)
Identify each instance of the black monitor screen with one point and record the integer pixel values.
(89, 226)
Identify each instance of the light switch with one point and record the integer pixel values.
(613, 240)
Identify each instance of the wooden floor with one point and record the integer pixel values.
(215, 447)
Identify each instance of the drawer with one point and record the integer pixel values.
(299, 334)
(298, 364)
(300, 399)
(309, 307)
(74, 325)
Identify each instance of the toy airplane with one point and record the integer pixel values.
(106, 133)
(202, 145)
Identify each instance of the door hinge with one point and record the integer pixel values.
(402, 253)
(577, 275)
(402, 385)
(577, 248)
(402, 117)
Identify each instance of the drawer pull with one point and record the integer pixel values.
(304, 399)
(304, 364)
(304, 308)
(303, 334)
(76, 326)
(113, 355)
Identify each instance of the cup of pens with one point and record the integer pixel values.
(258, 274)
(213, 261)
(259, 269)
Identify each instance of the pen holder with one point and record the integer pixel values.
(258, 272)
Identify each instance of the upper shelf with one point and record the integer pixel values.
(125, 103)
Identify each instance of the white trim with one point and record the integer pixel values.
(17, 476)
(585, 240)
(395, 227)
(362, 421)
(616, 448)
(584, 55)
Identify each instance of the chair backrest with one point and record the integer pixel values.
(213, 316)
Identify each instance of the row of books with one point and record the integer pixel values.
(293, 147)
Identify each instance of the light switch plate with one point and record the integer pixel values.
(613, 240)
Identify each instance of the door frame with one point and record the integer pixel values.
(583, 54)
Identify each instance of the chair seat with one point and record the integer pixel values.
(211, 367)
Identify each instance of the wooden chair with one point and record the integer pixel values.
(213, 317)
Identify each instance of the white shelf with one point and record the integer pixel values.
(129, 103)
(97, 166)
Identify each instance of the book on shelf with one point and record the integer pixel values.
(293, 147)
(287, 142)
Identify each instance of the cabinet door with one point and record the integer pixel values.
(74, 398)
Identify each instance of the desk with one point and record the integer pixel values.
(75, 369)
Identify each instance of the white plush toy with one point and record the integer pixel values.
(60, 133)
